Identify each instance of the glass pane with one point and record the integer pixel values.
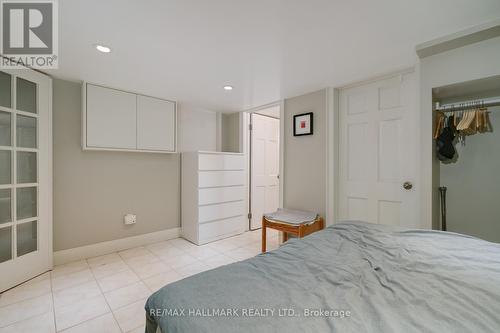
(5, 90)
(26, 132)
(5, 167)
(26, 202)
(5, 136)
(5, 206)
(5, 244)
(26, 167)
(26, 238)
(26, 95)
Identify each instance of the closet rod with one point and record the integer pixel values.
(465, 105)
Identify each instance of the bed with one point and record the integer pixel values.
(350, 277)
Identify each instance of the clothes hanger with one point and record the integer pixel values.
(440, 124)
(465, 118)
(470, 128)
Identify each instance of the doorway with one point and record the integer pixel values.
(264, 155)
(379, 148)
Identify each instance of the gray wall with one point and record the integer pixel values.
(93, 190)
(305, 156)
(230, 132)
(474, 185)
(197, 129)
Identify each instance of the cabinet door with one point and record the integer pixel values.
(111, 118)
(155, 124)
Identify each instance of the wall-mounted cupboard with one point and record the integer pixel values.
(117, 120)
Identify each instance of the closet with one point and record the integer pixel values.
(467, 137)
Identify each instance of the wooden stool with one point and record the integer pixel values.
(300, 230)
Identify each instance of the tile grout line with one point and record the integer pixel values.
(26, 299)
(28, 318)
(140, 280)
(105, 300)
(95, 280)
(53, 303)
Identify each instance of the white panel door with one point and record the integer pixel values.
(111, 118)
(265, 167)
(379, 152)
(25, 176)
(155, 124)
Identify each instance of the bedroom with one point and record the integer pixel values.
(142, 156)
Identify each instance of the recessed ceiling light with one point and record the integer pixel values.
(102, 48)
(228, 88)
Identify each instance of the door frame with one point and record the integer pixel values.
(45, 174)
(246, 148)
(333, 138)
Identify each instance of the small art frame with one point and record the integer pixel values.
(303, 124)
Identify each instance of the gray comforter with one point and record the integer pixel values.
(351, 277)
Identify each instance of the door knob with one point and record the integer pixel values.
(407, 186)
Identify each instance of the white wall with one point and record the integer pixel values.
(467, 63)
(197, 128)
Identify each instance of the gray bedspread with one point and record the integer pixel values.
(357, 277)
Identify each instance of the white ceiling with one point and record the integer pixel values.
(188, 50)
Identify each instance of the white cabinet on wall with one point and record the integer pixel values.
(124, 121)
(154, 116)
(213, 196)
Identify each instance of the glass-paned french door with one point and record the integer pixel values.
(25, 148)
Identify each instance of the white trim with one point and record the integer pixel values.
(131, 150)
(459, 39)
(98, 249)
(282, 153)
(209, 152)
(378, 77)
(50, 177)
(244, 148)
(332, 144)
(84, 115)
(263, 107)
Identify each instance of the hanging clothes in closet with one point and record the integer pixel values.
(457, 123)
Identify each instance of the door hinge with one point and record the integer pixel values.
(249, 216)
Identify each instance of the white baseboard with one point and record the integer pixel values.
(98, 249)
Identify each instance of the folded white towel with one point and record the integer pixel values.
(292, 216)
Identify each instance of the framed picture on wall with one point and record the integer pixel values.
(303, 124)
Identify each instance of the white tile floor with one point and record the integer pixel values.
(108, 293)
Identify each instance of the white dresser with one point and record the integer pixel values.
(213, 196)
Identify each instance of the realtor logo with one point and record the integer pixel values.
(29, 34)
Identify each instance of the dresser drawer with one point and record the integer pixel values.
(220, 178)
(221, 162)
(220, 229)
(220, 211)
(215, 195)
